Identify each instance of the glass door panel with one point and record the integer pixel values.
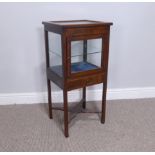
(86, 55)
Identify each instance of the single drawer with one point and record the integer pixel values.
(85, 81)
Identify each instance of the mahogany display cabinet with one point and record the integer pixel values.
(76, 57)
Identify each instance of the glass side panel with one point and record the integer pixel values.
(55, 43)
(86, 55)
(55, 52)
(94, 45)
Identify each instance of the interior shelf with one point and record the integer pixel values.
(75, 54)
(75, 67)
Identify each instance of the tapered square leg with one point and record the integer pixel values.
(65, 113)
(49, 99)
(104, 103)
(84, 98)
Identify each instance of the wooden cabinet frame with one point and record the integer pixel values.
(77, 30)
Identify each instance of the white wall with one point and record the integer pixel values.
(22, 59)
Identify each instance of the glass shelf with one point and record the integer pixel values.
(56, 53)
(78, 54)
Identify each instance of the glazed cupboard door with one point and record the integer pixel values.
(85, 55)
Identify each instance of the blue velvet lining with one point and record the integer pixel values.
(75, 67)
(82, 66)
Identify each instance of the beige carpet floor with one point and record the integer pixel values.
(130, 126)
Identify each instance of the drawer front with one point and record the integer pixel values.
(85, 81)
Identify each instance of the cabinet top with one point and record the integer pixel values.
(76, 23)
